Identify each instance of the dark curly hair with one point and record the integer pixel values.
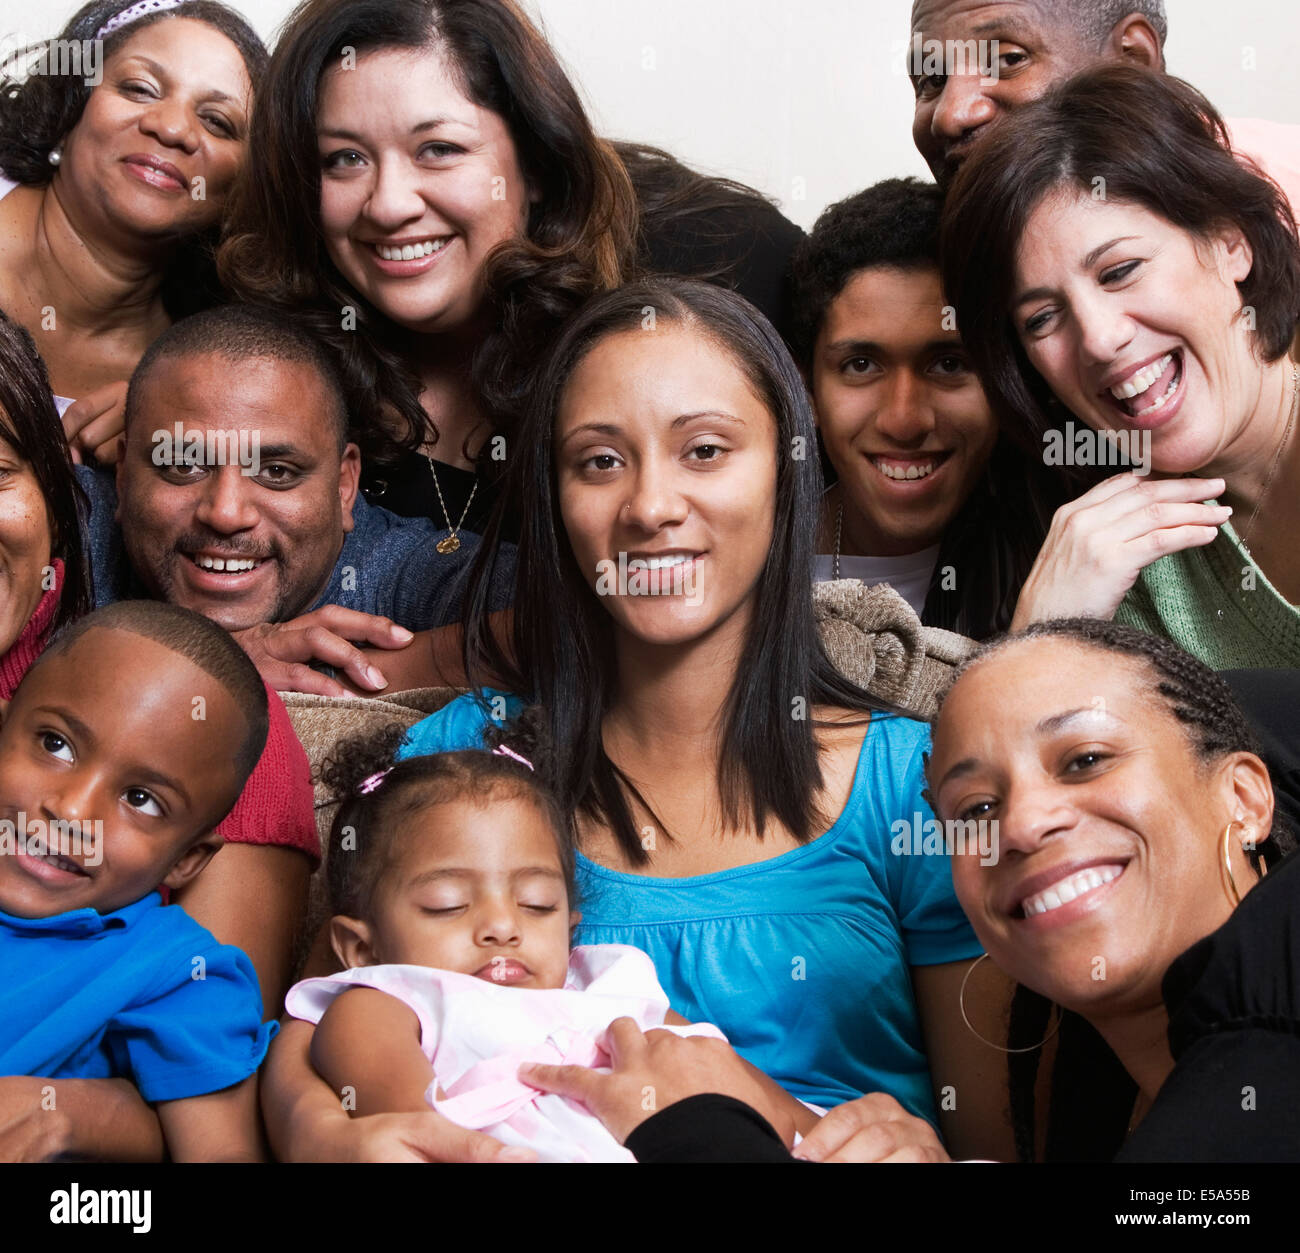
(1092, 1094)
(361, 844)
(38, 110)
(580, 238)
(892, 224)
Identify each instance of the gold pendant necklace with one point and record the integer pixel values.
(451, 541)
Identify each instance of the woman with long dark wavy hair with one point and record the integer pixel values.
(738, 803)
(46, 580)
(437, 260)
(114, 174)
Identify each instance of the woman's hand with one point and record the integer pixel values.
(1099, 544)
(422, 1137)
(94, 422)
(874, 1128)
(305, 1121)
(655, 1069)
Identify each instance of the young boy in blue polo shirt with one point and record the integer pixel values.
(124, 746)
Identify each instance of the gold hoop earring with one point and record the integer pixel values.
(1226, 848)
(961, 1004)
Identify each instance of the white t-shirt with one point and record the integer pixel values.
(7, 185)
(909, 576)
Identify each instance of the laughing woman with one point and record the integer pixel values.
(1135, 820)
(737, 803)
(112, 190)
(1112, 262)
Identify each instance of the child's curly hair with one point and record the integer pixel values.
(376, 792)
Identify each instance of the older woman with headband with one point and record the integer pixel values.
(113, 177)
(1127, 286)
(1134, 821)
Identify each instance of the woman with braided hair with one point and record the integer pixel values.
(1135, 823)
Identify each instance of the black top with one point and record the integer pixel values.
(1234, 1031)
(745, 246)
(708, 1128)
(406, 487)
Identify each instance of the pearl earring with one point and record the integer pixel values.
(56, 155)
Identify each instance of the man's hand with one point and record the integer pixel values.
(874, 1128)
(653, 1070)
(94, 423)
(282, 651)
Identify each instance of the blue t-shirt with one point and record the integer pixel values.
(803, 960)
(388, 565)
(143, 993)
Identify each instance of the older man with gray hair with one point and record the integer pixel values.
(1013, 51)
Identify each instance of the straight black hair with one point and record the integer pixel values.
(561, 651)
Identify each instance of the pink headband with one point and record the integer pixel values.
(366, 786)
(502, 751)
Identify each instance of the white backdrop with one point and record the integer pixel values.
(803, 98)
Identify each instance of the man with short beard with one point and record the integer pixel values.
(280, 549)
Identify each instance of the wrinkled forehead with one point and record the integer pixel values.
(941, 18)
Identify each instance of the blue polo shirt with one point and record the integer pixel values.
(143, 993)
(803, 960)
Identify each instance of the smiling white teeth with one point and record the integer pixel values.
(228, 565)
(1143, 380)
(1069, 889)
(916, 470)
(411, 252)
(665, 563)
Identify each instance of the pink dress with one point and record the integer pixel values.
(476, 1034)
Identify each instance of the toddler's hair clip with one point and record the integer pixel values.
(367, 786)
(502, 751)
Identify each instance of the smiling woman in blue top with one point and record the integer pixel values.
(735, 798)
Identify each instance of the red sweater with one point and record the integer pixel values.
(277, 805)
(34, 636)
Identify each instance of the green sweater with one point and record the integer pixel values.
(1216, 603)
